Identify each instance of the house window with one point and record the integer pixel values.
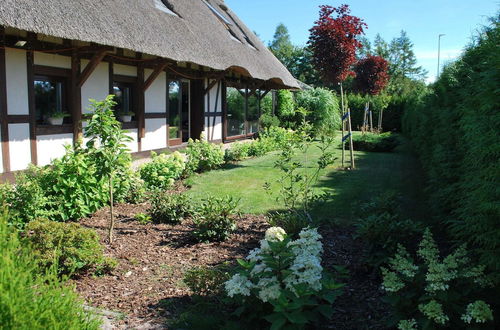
(174, 109)
(51, 100)
(253, 112)
(236, 111)
(124, 92)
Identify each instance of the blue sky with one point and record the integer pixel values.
(423, 20)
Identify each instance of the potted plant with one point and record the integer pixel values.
(56, 117)
(125, 117)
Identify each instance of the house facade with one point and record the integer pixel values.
(179, 69)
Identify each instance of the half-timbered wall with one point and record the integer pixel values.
(213, 110)
(49, 146)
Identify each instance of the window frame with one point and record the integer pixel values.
(130, 82)
(247, 133)
(54, 74)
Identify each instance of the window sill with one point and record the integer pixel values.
(46, 129)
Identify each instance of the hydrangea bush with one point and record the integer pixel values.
(437, 292)
(163, 170)
(286, 278)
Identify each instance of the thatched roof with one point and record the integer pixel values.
(197, 36)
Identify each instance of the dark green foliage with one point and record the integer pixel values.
(323, 109)
(68, 246)
(31, 298)
(203, 156)
(215, 219)
(143, 218)
(384, 142)
(380, 226)
(169, 208)
(136, 193)
(206, 281)
(455, 129)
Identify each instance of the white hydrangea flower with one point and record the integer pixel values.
(407, 324)
(254, 255)
(275, 234)
(269, 289)
(479, 311)
(238, 284)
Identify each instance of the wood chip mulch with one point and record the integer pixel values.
(146, 287)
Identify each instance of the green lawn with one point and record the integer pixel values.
(375, 173)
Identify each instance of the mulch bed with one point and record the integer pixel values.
(146, 288)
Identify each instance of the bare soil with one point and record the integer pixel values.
(146, 287)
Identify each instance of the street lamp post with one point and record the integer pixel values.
(439, 53)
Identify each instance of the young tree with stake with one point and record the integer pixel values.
(107, 144)
(333, 44)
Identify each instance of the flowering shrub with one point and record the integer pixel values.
(163, 170)
(437, 292)
(286, 279)
(203, 156)
(238, 151)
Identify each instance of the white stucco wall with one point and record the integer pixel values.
(156, 94)
(125, 70)
(156, 134)
(52, 60)
(97, 85)
(19, 146)
(50, 147)
(17, 82)
(132, 145)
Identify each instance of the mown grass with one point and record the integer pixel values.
(375, 173)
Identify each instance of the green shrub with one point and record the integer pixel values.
(67, 246)
(278, 136)
(283, 283)
(268, 120)
(203, 156)
(215, 219)
(206, 281)
(143, 218)
(163, 170)
(323, 109)
(260, 147)
(238, 151)
(291, 221)
(170, 208)
(384, 142)
(380, 226)
(31, 298)
(454, 129)
(436, 292)
(136, 193)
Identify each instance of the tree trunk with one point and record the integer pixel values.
(351, 148)
(112, 219)
(343, 125)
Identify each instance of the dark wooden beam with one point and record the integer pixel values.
(76, 97)
(265, 93)
(31, 99)
(4, 124)
(91, 66)
(216, 80)
(141, 122)
(152, 77)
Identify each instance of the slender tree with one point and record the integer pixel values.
(282, 47)
(403, 59)
(333, 42)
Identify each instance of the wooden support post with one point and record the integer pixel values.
(351, 147)
(343, 123)
(4, 123)
(30, 54)
(380, 120)
(91, 66)
(141, 122)
(371, 119)
(76, 97)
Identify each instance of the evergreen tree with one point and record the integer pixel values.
(381, 47)
(282, 47)
(403, 60)
(366, 48)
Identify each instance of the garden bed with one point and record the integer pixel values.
(146, 289)
(152, 260)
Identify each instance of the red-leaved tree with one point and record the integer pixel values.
(333, 42)
(371, 75)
